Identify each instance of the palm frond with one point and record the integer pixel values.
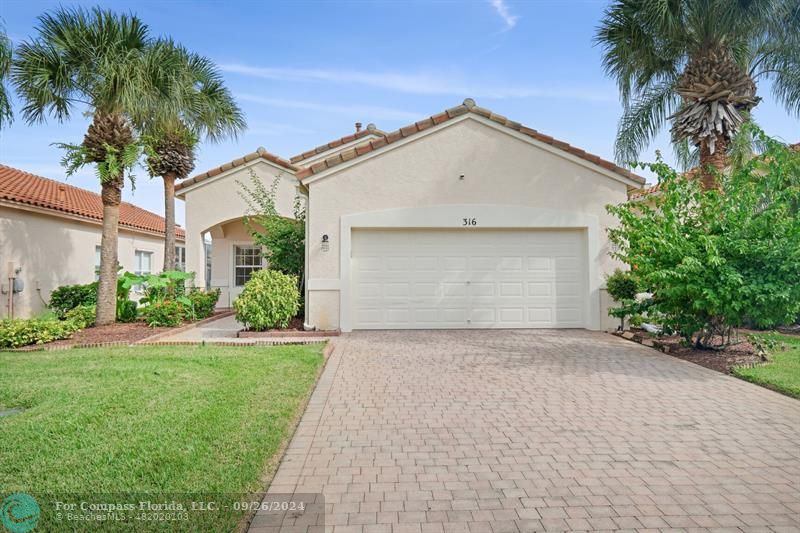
(6, 115)
(686, 155)
(643, 119)
(193, 85)
(80, 57)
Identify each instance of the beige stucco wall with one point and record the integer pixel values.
(498, 169)
(216, 207)
(54, 251)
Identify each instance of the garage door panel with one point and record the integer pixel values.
(462, 279)
(482, 289)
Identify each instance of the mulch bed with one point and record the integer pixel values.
(117, 332)
(740, 354)
(743, 353)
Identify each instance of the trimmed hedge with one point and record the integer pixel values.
(68, 297)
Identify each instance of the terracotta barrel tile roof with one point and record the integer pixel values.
(260, 153)
(647, 191)
(25, 188)
(371, 129)
(691, 174)
(468, 106)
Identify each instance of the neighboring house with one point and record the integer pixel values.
(463, 220)
(51, 231)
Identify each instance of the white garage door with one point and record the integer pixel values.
(420, 279)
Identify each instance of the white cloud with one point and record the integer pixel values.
(369, 112)
(502, 9)
(277, 130)
(425, 83)
(421, 83)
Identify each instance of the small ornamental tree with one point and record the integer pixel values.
(283, 238)
(717, 259)
(622, 286)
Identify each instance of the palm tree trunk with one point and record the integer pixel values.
(107, 286)
(169, 221)
(712, 164)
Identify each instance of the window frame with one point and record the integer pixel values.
(180, 253)
(137, 265)
(235, 267)
(98, 252)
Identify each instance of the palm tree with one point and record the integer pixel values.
(5, 66)
(207, 110)
(96, 60)
(696, 63)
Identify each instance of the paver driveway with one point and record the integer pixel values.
(490, 431)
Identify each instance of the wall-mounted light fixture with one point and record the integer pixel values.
(326, 245)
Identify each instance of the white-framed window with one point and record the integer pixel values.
(97, 251)
(246, 260)
(180, 258)
(143, 263)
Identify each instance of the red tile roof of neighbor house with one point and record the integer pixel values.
(468, 106)
(260, 153)
(371, 129)
(647, 191)
(22, 187)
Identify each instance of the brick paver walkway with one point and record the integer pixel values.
(495, 431)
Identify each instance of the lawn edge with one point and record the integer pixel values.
(732, 374)
(770, 386)
(270, 468)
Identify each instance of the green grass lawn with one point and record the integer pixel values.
(171, 419)
(782, 373)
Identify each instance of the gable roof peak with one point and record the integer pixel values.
(468, 106)
(260, 153)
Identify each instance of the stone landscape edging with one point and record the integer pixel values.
(244, 334)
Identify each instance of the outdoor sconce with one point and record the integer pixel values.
(326, 245)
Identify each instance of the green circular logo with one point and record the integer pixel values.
(19, 513)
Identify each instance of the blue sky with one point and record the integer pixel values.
(304, 72)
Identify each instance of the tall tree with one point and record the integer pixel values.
(6, 49)
(94, 61)
(696, 63)
(206, 110)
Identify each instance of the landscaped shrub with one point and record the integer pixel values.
(164, 313)
(269, 300)
(717, 259)
(622, 285)
(69, 297)
(127, 310)
(83, 316)
(203, 302)
(16, 333)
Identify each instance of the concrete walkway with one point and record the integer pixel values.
(506, 431)
(224, 330)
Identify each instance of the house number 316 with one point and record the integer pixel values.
(469, 221)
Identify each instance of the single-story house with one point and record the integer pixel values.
(51, 232)
(465, 219)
